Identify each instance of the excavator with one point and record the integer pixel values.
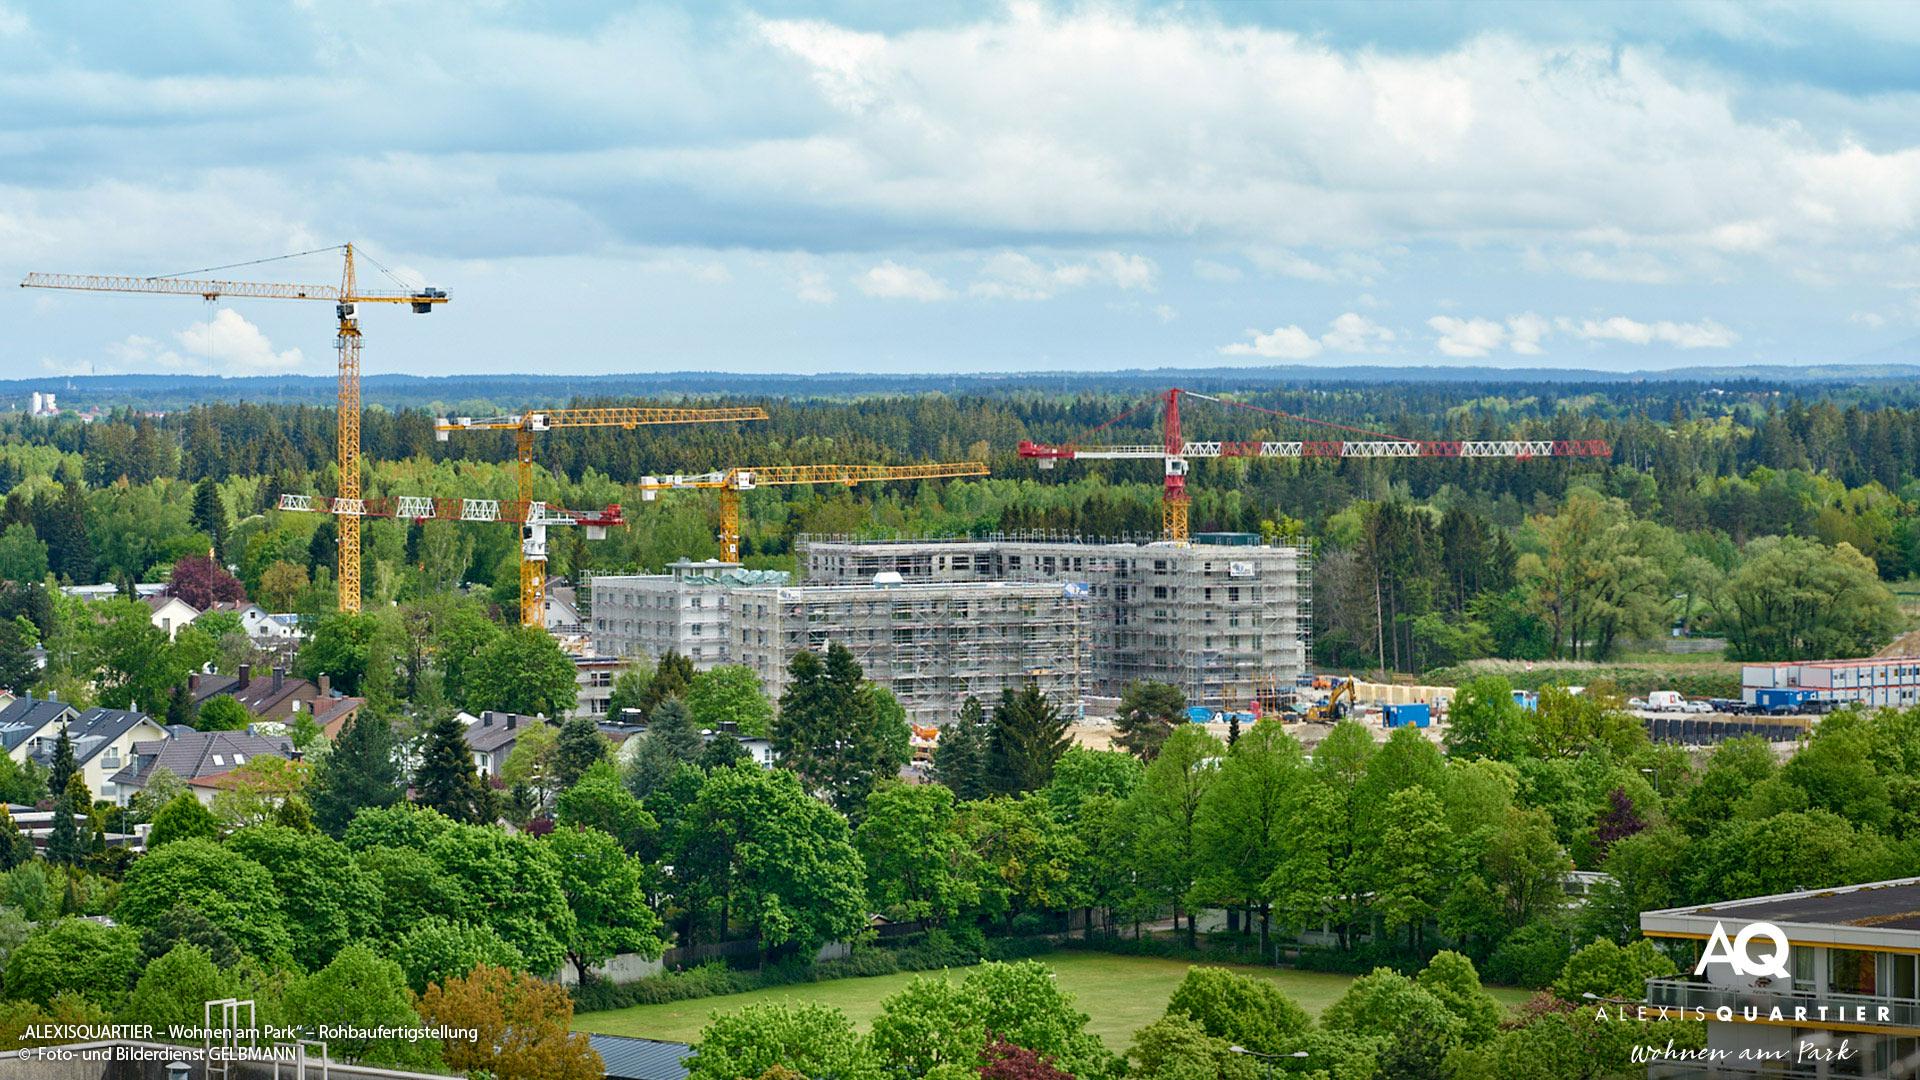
(1339, 702)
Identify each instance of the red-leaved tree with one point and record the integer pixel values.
(1005, 1061)
(202, 582)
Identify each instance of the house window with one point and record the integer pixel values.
(220, 760)
(111, 759)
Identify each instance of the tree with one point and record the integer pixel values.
(1006, 1061)
(436, 949)
(460, 632)
(1166, 807)
(1411, 861)
(672, 677)
(74, 955)
(518, 1026)
(1241, 1009)
(841, 734)
(1022, 1004)
(200, 580)
(446, 779)
(1148, 713)
(629, 690)
(1485, 721)
(65, 844)
(513, 883)
(1793, 598)
(359, 771)
(579, 747)
(762, 849)
(811, 1040)
(1241, 825)
(281, 585)
(1617, 822)
(62, 768)
(1028, 734)
(1526, 865)
(340, 647)
(1027, 857)
(533, 763)
(1174, 1047)
(1602, 576)
(1451, 977)
(960, 755)
(235, 893)
(184, 817)
(671, 743)
(359, 989)
(1081, 774)
(1607, 970)
(185, 924)
(729, 694)
(918, 866)
(222, 712)
(175, 988)
(522, 671)
(600, 801)
(23, 558)
(929, 1024)
(327, 901)
(604, 888)
(1408, 1018)
(18, 669)
(209, 514)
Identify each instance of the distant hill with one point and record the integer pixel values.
(166, 392)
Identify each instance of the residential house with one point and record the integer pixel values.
(170, 613)
(28, 722)
(271, 697)
(593, 676)
(195, 757)
(103, 741)
(257, 623)
(491, 736)
(563, 611)
(628, 1058)
(107, 592)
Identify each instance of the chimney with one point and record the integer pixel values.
(246, 676)
(326, 686)
(279, 678)
(486, 718)
(193, 681)
(53, 695)
(513, 721)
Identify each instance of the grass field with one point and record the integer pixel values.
(1121, 993)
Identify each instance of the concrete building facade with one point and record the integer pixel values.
(1223, 618)
(683, 610)
(1852, 980)
(933, 644)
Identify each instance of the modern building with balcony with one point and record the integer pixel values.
(1849, 1006)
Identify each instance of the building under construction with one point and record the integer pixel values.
(684, 610)
(932, 643)
(1224, 618)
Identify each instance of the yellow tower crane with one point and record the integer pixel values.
(732, 482)
(533, 537)
(345, 298)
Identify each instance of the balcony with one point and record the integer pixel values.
(1844, 1011)
(1678, 1069)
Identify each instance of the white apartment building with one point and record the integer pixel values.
(932, 644)
(683, 610)
(1223, 618)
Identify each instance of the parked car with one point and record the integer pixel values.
(1695, 707)
(1637, 703)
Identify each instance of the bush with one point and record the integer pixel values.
(1531, 956)
(1359, 960)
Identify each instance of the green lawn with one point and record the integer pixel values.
(1121, 993)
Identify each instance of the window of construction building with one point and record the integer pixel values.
(1900, 977)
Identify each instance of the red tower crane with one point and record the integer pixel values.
(1175, 450)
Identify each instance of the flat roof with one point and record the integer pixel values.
(1873, 914)
(1865, 661)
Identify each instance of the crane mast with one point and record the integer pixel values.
(346, 298)
(533, 530)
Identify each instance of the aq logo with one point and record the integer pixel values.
(1735, 953)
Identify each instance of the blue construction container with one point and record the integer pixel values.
(1419, 714)
(1199, 715)
(1527, 700)
(1779, 699)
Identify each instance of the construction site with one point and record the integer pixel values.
(932, 644)
(1222, 617)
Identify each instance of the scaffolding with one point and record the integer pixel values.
(932, 644)
(1227, 622)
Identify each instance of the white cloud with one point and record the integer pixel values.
(12, 23)
(1348, 333)
(1872, 320)
(1467, 337)
(1705, 334)
(1165, 312)
(1355, 333)
(1283, 343)
(892, 281)
(1013, 276)
(226, 345)
(1524, 334)
(813, 287)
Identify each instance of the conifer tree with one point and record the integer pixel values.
(446, 779)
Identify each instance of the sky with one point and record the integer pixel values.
(959, 187)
